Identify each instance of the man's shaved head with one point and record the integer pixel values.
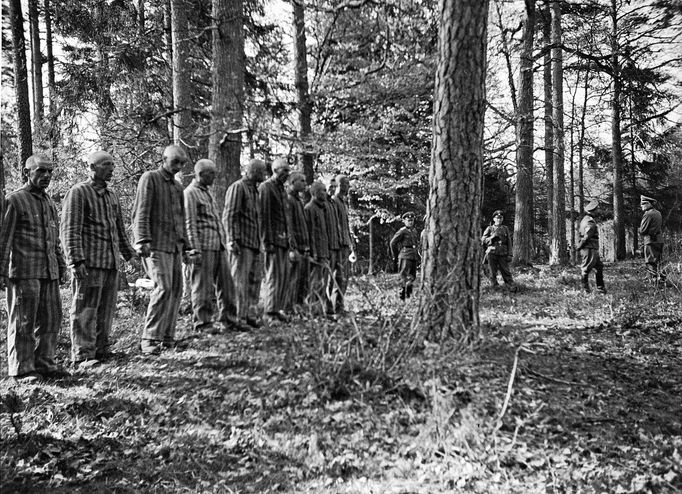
(204, 164)
(38, 161)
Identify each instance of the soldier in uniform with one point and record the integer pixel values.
(589, 249)
(404, 245)
(498, 244)
(32, 266)
(652, 240)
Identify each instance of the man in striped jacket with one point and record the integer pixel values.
(161, 240)
(95, 240)
(32, 267)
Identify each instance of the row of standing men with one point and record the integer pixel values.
(305, 252)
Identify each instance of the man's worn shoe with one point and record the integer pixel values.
(271, 319)
(282, 316)
(55, 374)
(150, 348)
(601, 289)
(104, 356)
(253, 322)
(29, 378)
(87, 363)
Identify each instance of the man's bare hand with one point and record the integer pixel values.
(80, 272)
(234, 248)
(143, 250)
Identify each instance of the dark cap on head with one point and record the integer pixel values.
(407, 215)
(498, 213)
(592, 205)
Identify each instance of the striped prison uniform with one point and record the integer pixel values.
(32, 260)
(319, 251)
(299, 244)
(341, 270)
(240, 218)
(211, 278)
(275, 240)
(159, 219)
(93, 233)
(332, 218)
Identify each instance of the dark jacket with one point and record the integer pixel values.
(405, 244)
(650, 227)
(503, 247)
(589, 234)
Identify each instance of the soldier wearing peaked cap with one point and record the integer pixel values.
(498, 244)
(404, 248)
(589, 249)
(652, 239)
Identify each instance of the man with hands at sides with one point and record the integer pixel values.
(94, 239)
(32, 267)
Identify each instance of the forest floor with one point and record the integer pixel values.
(566, 392)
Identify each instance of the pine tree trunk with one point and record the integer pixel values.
(225, 143)
(182, 119)
(21, 83)
(168, 45)
(549, 125)
(523, 218)
(557, 249)
(581, 146)
(305, 107)
(451, 268)
(51, 85)
(37, 65)
(617, 146)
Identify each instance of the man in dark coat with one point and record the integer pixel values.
(498, 244)
(652, 239)
(589, 249)
(404, 249)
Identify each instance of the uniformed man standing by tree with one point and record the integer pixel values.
(652, 239)
(160, 239)
(94, 239)
(498, 249)
(206, 233)
(404, 248)
(240, 218)
(31, 267)
(589, 249)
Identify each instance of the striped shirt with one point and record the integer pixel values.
(317, 227)
(240, 214)
(332, 224)
(273, 213)
(204, 228)
(159, 217)
(344, 227)
(92, 227)
(29, 237)
(297, 227)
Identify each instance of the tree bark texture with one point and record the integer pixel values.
(305, 107)
(225, 143)
(549, 125)
(37, 64)
(617, 145)
(21, 83)
(523, 218)
(451, 267)
(557, 248)
(51, 87)
(581, 146)
(182, 119)
(168, 45)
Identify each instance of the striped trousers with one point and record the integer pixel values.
(246, 275)
(211, 279)
(339, 282)
(92, 312)
(165, 270)
(35, 314)
(276, 282)
(299, 285)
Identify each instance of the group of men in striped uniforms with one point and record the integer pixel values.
(170, 226)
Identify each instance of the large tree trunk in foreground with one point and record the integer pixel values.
(451, 267)
(523, 219)
(549, 125)
(617, 145)
(557, 248)
(21, 82)
(225, 144)
(305, 107)
(182, 119)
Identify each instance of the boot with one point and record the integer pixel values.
(585, 280)
(402, 293)
(600, 282)
(408, 291)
